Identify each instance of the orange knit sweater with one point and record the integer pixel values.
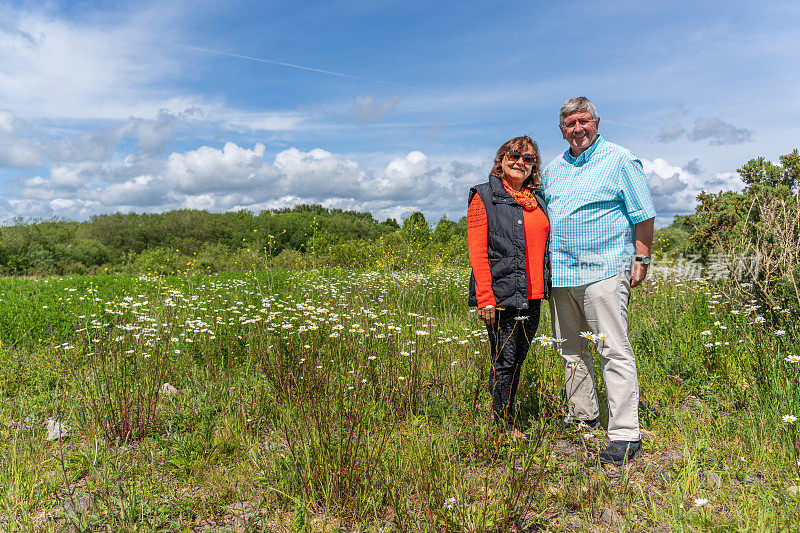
(536, 229)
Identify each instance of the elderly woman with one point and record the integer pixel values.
(507, 229)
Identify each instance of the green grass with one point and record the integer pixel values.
(357, 401)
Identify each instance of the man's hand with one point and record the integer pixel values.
(638, 273)
(487, 315)
(644, 239)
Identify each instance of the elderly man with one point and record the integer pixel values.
(601, 229)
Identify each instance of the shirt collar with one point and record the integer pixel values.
(585, 155)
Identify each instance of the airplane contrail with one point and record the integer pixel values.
(290, 65)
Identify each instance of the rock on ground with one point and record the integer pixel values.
(56, 430)
(712, 479)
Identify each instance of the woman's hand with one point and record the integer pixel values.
(487, 314)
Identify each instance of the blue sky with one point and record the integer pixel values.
(385, 107)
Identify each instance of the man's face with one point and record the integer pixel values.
(580, 131)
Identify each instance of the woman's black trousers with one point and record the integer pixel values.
(510, 337)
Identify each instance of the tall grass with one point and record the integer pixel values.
(359, 399)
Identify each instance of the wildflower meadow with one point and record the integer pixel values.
(356, 400)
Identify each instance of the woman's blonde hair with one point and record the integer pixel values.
(519, 144)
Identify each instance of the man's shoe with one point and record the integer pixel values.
(569, 423)
(619, 451)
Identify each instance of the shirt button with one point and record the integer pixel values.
(519, 222)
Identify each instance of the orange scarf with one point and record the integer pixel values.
(524, 196)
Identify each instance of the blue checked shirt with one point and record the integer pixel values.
(594, 201)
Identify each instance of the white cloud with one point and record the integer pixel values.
(670, 132)
(72, 177)
(262, 121)
(723, 181)
(236, 177)
(36, 181)
(19, 154)
(404, 178)
(120, 170)
(87, 146)
(153, 135)
(209, 169)
(718, 132)
(200, 201)
(63, 204)
(675, 189)
(39, 190)
(16, 150)
(693, 166)
(407, 168)
(25, 208)
(77, 208)
(79, 70)
(107, 67)
(34, 143)
(8, 122)
(317, 174)
(142, 191)
(368, 110)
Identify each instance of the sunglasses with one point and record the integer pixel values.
(528, 159)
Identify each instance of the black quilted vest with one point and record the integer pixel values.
(506, 243)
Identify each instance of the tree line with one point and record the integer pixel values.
(176, 240)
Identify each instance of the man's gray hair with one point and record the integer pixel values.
(575, 105)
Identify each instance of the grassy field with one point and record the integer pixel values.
(358, 401)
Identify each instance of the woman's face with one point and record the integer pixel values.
(517, 171)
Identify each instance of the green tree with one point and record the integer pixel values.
(416, 228)
(761, 172)
(672, 239)
(761, 222)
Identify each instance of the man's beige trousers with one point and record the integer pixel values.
(600, 308)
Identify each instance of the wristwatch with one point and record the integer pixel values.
(645, 259)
